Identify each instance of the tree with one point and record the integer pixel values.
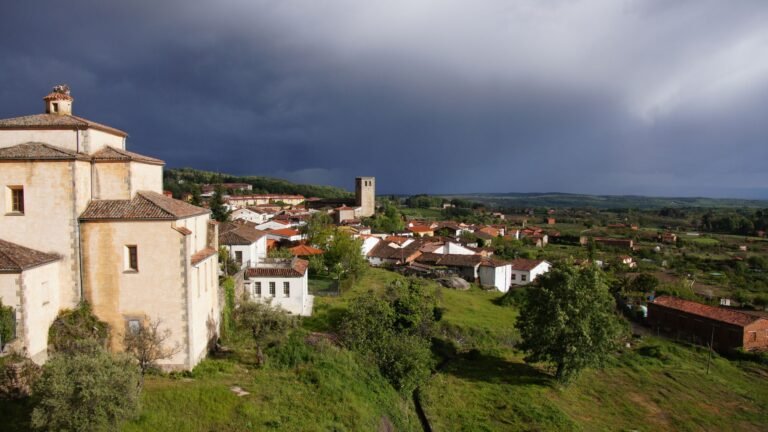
(645, 282)
(267, 324)
(318, 230)
(394, 332)
(569, 320)
(219, 211)
(72, 327)
(344, 258)
(148, 344)
(86, 389)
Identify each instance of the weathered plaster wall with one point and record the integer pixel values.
(154, 291)
(112, 180)
(146, 177)
(49, 221)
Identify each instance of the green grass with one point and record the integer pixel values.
(330, 392)
(423, 213)
(702, 241)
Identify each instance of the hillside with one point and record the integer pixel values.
(556, 199)
(180, 180)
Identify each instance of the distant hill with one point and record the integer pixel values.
(556, 199)
(185, 179)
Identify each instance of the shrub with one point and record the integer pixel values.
(86, 389)
(72, 327)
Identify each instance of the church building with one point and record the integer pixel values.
(84, 219)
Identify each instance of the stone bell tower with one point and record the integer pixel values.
(59, 101)
(365, 195)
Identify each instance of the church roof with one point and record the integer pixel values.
(113, 154)
(15, 258)
(144, 206)
(39, 151)
(56, 121)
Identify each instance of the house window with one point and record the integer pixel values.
(272, 289)
(514, 276)
(133, 326)
(16, 204)
(239, 257)
(131, 258)
(286, 289)
(753, 336)
(523, 277)
(257, 289)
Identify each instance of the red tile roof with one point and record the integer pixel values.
(144, 206)
(305, 250)
(15, 258)
(729, 316)
(284, 232)
(523, 264)
(200, 256)
(294, 268)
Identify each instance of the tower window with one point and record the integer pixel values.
(55, 107)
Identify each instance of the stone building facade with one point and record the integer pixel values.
(85, 219)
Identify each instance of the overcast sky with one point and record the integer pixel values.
(654, 97)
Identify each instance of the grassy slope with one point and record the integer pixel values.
(655, 386)
(331, 392)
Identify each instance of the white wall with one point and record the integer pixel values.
(297, 300)
(34, 294)
(498, 277)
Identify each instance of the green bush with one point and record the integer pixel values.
(86, 389)
(72, 327)
(7, 324)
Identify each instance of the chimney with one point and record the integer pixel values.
(59, 101)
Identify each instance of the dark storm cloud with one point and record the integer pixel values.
(652, 97)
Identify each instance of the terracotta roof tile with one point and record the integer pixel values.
(200, 256)
(737, 318)
(144, 206)
(39, 151)
(15, 258)
(305, 250)
(56, 121)
(284, 232)
(293, 268)
(241, 235)
(523, 264)
(113, 154)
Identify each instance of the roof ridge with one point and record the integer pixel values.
(143, 196)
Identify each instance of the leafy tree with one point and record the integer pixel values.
(228, 264)
(645, 282)
(319, 230)
(569, 320)
(267, 324)
(219, 211)
(86, 389)
(280, 253)
(343, 256)
(393, 331)
(389, 221)
(148, 344)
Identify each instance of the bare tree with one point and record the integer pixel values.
(147, 344)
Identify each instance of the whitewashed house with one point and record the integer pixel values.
(273, 225)
(525, 271)
(246, 245)
(283, 282)
(252, 214)
(285, 235)
(495, 273)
